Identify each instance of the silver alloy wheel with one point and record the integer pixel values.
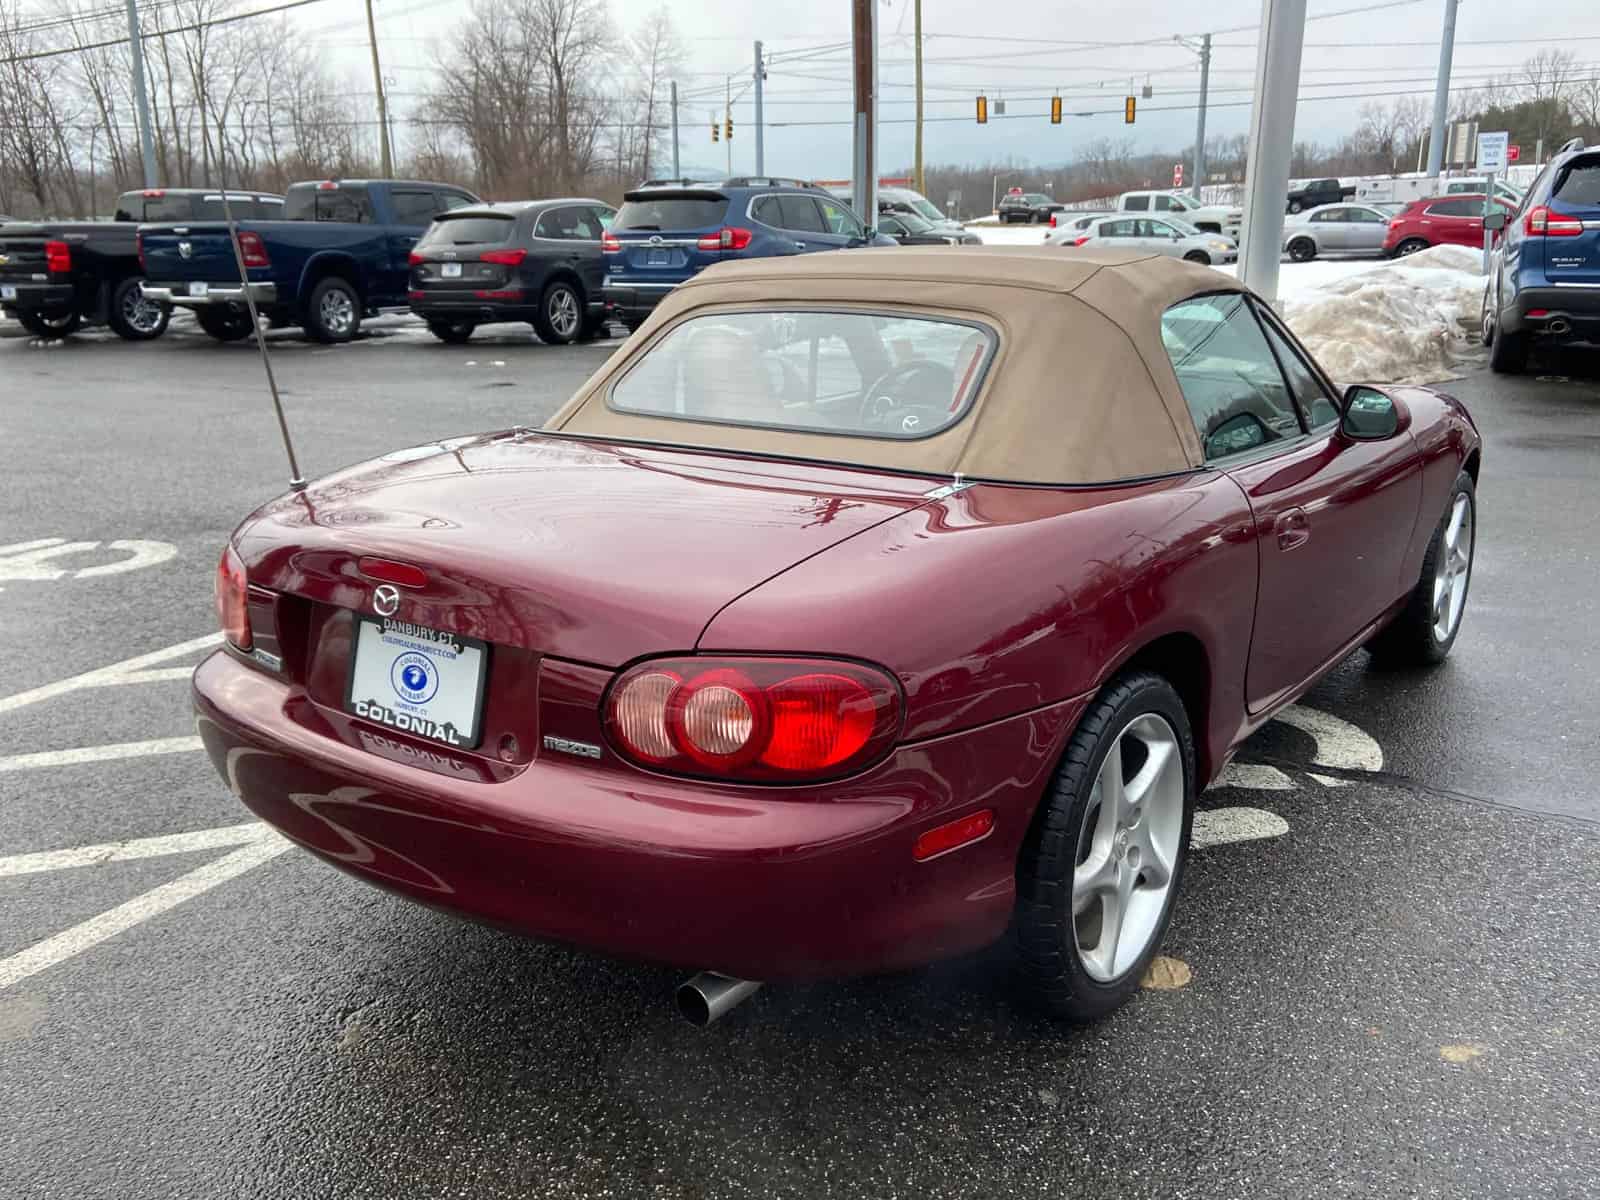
(563, 311)
(1128, 848)
(337, 311)
(1453, 569)
(141, 313)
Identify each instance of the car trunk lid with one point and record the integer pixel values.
(658, 233)
(1573, 257)
(466, 252)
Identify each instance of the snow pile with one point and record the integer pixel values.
(1412, 320)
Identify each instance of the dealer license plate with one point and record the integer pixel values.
(199, 289)
(8, 293)
(658, 258)
(450, 270)
(419, 681)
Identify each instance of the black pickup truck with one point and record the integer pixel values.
(1315, 192)
(56, 277)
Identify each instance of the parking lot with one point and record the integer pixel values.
(1382, 975)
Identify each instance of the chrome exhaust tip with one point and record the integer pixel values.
(1558, 325)
(709, 997)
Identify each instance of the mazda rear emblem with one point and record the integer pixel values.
(386, 599)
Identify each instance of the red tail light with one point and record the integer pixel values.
(762, 720)
(233, 612)
(57, 258)
(609, 243)
(1081, 240)
(726, 238)
(253, 250)
(506, 258)
(1052, 220)
(1541, 222)
(414, 259)
(154, 193)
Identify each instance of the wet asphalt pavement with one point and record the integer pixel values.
(1399, 996)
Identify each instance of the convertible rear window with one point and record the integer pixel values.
(867, 374)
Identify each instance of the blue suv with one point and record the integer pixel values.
(1545, 274)
(667, 232)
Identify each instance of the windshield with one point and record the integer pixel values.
(913, 223)
(1036, 198)
(451, 230)
(868, 374)
(1182, 226)
(923, 207)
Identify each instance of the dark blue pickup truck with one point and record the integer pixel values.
(340, 252)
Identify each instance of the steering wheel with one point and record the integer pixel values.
(903, 395)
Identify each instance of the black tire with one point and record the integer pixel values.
(559, 318)
(333, 311)
(1412, 638)
(132, 317)
(224, 323)
(456, 333)
(1410, 246)
(39, 325)
(1295, 206)
(1302, 249)
(1046, 929)
(1508, 351)
(1198, 256)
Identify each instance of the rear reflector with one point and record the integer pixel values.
(952, 836)
(500, 294)
(386, 569)
(1538, 312)
(416, 295)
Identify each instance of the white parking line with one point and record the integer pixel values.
(89, 754)
(150, 847)
(129, 670)
(1221, 826)
(1339, 744)
(83, 936)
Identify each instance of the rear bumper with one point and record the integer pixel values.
(1569, 313)
(760, 883)
(445, 307)
(52, 299)
(635, 301)
(179, 294)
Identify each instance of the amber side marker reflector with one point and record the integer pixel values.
(952, 836)
(403, 574)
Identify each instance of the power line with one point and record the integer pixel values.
(159, 33)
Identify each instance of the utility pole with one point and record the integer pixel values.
(864, 63)
(383, 104)
(761, 150)
(916, 170)
(1200, 127)
(1441, 90)
(677, 172)
(1282, 36)
(147, 144)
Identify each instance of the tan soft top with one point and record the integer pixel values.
(1080, 389)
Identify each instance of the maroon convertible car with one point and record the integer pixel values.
(861, 608)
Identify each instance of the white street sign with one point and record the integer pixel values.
(1492, 151)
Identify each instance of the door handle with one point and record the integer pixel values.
(1293, 528)
(799, 245)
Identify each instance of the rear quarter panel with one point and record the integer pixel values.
(1000, 599)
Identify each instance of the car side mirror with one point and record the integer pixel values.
(1495, 221)
(1369, 415)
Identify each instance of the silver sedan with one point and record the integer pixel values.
(1159, 235)
(1336, 229)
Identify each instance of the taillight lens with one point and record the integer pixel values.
(414, 259)
(506, 258)
(253, 250)
(762, 720)
(1541, 222)
(1081, 240)
(233, 611)
(57, 258)
(1052, 220)
(609, 243)
(729, 237)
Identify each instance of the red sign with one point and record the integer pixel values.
(1513, 153)
(1177, 174)
(1014, 191)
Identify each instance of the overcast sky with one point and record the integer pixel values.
(1006, 51)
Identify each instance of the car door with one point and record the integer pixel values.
(1332, 515)
(1158, 237)
(1331, 230)
(1451, 221)
(802, 221)
(1365, 230)
(1119, 234)
(841, 228)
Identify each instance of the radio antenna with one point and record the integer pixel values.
(297, 482)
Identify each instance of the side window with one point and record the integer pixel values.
(413, 208)
(840, 219)
(890, 225)
(1230, 380)
(1366, 216)
(1451, 208)
(1118, 229)
(449, 200)
(548, 225)
(800, 214)
(1316, 406)
(1330, 214)
(1137, 204)
(1156, 229)
(766, 211)
(269, 208)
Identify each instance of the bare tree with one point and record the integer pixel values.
(657, 55)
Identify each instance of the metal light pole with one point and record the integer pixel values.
(1200, 126)
(677, 172)
(383, 104)
(864, 60)
(147, 143)
(1441, 90)
(761, 149)
(922, 183)
(1283, 28)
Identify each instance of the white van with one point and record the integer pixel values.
(1405, 189)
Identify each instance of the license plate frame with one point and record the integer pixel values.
(421, 718)
(449, 270)
(658, 258)
(199, 290)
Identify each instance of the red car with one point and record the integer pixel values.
(861, 608)
(1441, 221)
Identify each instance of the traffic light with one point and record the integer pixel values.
(983, 110)
(728, 129)
(716, 131)
(1130, 107)
(1055, 110)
